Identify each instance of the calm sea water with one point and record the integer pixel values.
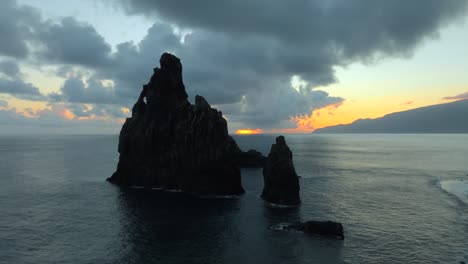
(399, 197)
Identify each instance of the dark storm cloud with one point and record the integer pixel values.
(351, 29)
(250, 70)
(73, 42)
(247, 88)
(75, 90)
(132, 64)
(10, 69)
(65, 42)
(240, 55)
(16, 28)
(18, 87)
(11, 82)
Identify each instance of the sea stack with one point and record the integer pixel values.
(171, 144)
(280, 177)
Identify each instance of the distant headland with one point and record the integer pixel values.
(443, 118)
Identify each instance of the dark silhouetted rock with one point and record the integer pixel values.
(169, 143)
(279, 175)
(323, 228)
(250, 159)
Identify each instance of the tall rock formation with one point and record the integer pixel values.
(279, 175)
(169, 143)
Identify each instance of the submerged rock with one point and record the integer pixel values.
(323, 228)
(280, 177)
(171, 144)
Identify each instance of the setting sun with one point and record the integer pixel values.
(249, 131)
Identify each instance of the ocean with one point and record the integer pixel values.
(400, 198)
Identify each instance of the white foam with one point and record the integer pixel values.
(273, 205)
(459, 188)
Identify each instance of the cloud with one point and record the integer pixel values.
(462, 96)
(3, 104)
(242, 56)
(16, 28)
(57, 118)
(10, 69)
(248, 77)
(18, 87)
(92, 91)
(11, 82)
(243, 84)
(275, 109)
(344, 29)
(307, 121)
(132, 64)
(72, 42)
(25, 34)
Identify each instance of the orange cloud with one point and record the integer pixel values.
(350, 110)
(67, 114)
(310, 122)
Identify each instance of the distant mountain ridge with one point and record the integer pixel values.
(441, 118)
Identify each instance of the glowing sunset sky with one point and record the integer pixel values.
(78, 67)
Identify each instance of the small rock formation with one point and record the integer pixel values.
(169, 143)
(279, 176)
(323, 228)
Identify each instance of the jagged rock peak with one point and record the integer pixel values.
(279, 175)
(170, 62)
(166, 86)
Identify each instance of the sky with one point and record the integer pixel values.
(269, 66)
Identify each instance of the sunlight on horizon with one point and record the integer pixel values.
(249, 131)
